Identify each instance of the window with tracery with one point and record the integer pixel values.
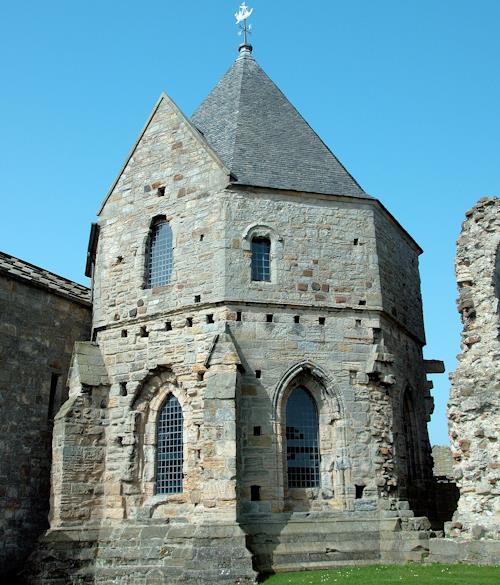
(170, 448)
(302, 440)
(159, 254)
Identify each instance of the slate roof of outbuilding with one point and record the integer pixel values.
(262, 138)
(41, 278)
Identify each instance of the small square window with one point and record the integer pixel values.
(362, 303)
(269, 318)
(144, 332)
(124, 333)
(238, 316)
(197, 298)
(258, 374)
(257, 431)
(189, 322)
(359, 491)
(168, 326)
(296, 319)
(161, 191)
(210, 318)
(322, 320)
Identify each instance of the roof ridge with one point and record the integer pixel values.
(244, 57)
(38, 277)
(26, 263)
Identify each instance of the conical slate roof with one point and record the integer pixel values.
(263, 140)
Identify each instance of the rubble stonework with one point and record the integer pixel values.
(474, 404)
(42, 315)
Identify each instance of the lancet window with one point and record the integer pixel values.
(159, 254)
(302, 440)
(170, 448)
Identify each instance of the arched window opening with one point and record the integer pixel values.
(170, 448)
(302, 440)
(159, 253)
(261, 259)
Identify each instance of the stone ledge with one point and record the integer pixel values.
(476, 552)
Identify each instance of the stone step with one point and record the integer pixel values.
(321, 565)
(321, 546)
(294, 527)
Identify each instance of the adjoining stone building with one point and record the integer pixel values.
(41, 316)
(474, 404)
(254, 396)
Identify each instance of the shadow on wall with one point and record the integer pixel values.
(51, 565)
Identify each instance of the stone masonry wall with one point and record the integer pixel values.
(171, 173)
(230, 350)
(474, 404)
(38, 329)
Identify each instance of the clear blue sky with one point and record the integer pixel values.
(406, 93)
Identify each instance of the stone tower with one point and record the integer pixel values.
(254, 396)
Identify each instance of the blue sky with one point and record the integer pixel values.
(405, 92)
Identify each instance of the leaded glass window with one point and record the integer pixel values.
(261, 259)
(302, 440)
(170, 448)
(160, 257)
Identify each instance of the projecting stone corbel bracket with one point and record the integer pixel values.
(87, 369)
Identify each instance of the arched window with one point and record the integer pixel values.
(261, 259)
(159, 254)
(302, 440)
(170, 448)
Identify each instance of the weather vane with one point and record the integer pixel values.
(242, 16)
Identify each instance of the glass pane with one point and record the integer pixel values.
(160, 255)
(302, 440)
(170, 448)
(261, 261)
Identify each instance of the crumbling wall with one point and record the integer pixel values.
(474, 405)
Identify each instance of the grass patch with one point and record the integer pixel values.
(393, 575)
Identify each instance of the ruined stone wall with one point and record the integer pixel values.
(474, 404)
(38, 329)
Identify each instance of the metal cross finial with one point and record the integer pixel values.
(242, 16)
